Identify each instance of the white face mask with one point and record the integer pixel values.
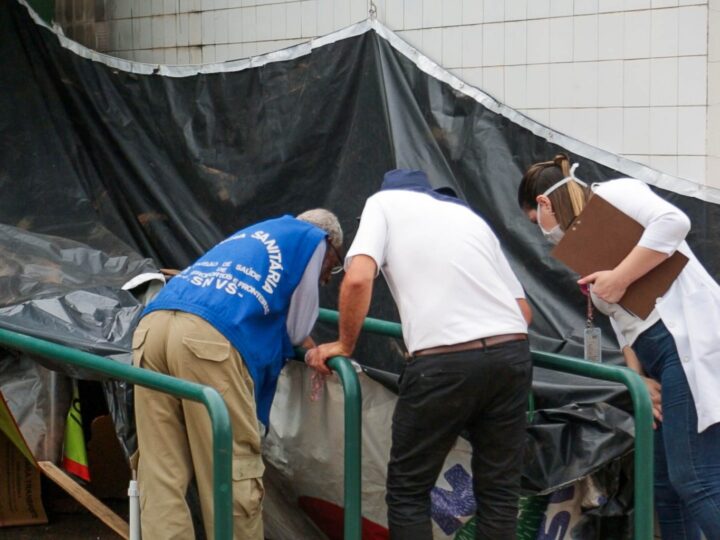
(554, 235)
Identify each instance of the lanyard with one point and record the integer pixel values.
(592, 335)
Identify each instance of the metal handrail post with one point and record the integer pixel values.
(219, 417)
(642, 411)
(353, 446)
(352, 498)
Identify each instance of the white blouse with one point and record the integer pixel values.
(691, 307)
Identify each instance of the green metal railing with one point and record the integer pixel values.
(221, 428)
(353, 444)
(642, 411)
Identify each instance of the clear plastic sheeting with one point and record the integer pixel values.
(63, 291)
(54, 287)
(39, 400)
(68, 293)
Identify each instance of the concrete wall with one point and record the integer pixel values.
(636, 77)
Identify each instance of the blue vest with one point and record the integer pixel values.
(243, 287)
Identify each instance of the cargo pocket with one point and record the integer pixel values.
(138, 343)
(211, 353)
(248, 489)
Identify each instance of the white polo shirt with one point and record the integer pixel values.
(444, 266)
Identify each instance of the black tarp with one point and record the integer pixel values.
(170, 165)
(167, 165)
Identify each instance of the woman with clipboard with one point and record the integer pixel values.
(677, 346)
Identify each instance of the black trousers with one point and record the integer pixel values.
(483, 391)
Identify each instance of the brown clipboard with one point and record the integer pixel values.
(600, 238)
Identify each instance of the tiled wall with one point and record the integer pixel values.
(628, 76)
(636, 77)
(206, 31)
(713, 70)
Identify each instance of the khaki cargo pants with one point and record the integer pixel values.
(175, 438)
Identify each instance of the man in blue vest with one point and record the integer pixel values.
(229, 321)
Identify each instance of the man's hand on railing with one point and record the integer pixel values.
(317, 357)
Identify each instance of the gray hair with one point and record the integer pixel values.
(327, 221)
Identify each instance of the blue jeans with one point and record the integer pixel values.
(687, 463)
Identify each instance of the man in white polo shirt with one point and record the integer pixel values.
(464, 319)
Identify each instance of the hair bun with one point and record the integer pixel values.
(560, 158)
(563, 162)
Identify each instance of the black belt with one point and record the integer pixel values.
(481, 343)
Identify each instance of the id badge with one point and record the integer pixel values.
(593, 349)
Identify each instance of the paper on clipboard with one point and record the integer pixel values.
(600, 238)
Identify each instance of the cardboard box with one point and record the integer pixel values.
(20, 498)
